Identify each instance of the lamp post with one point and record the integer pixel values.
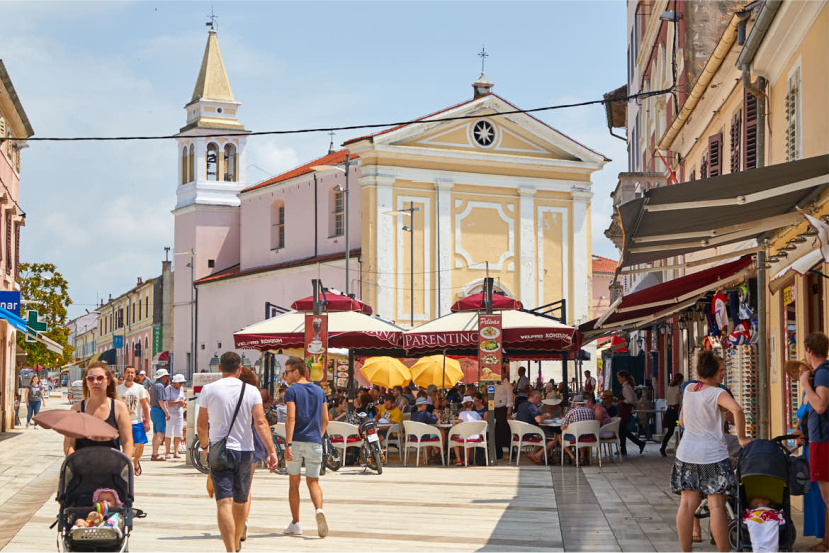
(345, 191)
(409, 212)
(192, 255)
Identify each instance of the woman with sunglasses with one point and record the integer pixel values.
(99, 401)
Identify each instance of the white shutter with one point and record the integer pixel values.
(793, 117)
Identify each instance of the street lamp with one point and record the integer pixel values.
(339, 188)
(214, 363)
(409, 212)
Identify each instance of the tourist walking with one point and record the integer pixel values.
(673, 398)
(306, 423)
(176, 401)
(137, 400)
(503, 409)
(34, 398)
(626, 404)
(158, 411)
(702, 465)
(230, 410)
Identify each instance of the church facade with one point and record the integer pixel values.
(432, 208)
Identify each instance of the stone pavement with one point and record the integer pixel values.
(625, 507)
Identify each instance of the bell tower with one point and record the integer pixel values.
(211, 172)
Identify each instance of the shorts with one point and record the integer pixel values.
(175, 427)
(139, 435)
(311, 453)
(710, 478)
(234, 482)
(819, 461)
(159, 420)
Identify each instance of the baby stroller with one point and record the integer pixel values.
(765, 469)
(82, 473)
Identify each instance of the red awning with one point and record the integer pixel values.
(334, 302)
(161, 358)
(643, 308)
(475, 302)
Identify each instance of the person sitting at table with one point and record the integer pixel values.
(467, 415)
(479, 406)
(423, 415)
(581, 412)
(528, 412)
(552, 405)
(366, 405)
(388, 411)
(422, 394)
(339, 411)
(598, 411)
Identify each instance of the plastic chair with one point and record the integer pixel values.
(416, 438)
(462, 434)
(396, 441)
(608, 442)
(344, 435)
(518, 430)
(579, 431)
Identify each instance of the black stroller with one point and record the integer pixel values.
(82, 473)
(767, 469)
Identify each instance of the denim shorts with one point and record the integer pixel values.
(159, 420)
(311, 453)
(235, 481)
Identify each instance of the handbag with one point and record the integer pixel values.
(217, 458)
(799, 480)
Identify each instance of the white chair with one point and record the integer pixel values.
(344, 435)
(396, 440)
(609, 436)
(525, 435)
(416, 438)
(462, 434)
(580, 430)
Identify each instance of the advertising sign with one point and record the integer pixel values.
(490, 338)
(316, 346)
(201, 380)
(10, 301)
(118, 341)
(156, 340)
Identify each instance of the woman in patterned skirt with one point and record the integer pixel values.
(702, 464)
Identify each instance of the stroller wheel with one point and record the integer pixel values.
(733, 533)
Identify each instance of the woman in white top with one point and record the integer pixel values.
(673, 398)
(702, 464)
(467, 415)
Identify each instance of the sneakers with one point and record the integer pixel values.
(322, 525)
(293, 529)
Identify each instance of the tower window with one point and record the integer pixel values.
(229, 163)
(191, 160)
(212, 162)
(278, 225)
(211, 263)
(185, 165)
(337, 220)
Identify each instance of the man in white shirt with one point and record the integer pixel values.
(522, 387)
(503, 409)
(589, 383)
(138, 405)
(218, 402)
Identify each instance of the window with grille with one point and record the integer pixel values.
(793, 117)
(736, 135)
(715, 155)
(339, 212)
(277, 226)
(750, 131)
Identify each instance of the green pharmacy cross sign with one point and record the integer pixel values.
(35, 327)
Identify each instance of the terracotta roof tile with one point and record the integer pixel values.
(604, 265)
(235, 271)
(330, 159)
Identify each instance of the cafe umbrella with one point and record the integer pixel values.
(387, 372)
(438, 370)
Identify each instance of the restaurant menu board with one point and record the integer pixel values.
(490, 337)
(339, 372)
(316, 346)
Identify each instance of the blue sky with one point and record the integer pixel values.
(101, 211)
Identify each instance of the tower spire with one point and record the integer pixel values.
(212, 83)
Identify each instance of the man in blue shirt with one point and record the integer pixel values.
(817, 396)
(528, 412)
(306, 423)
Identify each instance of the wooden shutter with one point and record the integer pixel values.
(736, 135)
(17, 252)
(750, 131)
(715, 155)
(9, 243)
(792, 109)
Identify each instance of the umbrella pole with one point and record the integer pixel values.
(350, 383)
(443, 378)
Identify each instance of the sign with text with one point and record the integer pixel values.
(10, 301)
(156, 340)
(201, 380)
(316, 346)
(490, 338)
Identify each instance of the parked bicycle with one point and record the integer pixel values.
(330, 455)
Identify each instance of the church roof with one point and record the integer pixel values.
(329, 159)
(371, 136)
(604, 265)
(212, 83)
(235, 271)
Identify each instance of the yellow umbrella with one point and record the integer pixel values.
(430, 370)
(386, 371)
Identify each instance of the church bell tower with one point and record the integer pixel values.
(211, 163)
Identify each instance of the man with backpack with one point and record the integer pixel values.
(815, 385)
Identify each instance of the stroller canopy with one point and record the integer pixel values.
(764, 458)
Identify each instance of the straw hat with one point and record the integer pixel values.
(552, 401)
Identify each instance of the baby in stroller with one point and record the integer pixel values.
(763, 523)
(105, 499)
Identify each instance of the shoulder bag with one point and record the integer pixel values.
(217, 458)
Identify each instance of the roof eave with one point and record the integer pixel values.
(21, 113)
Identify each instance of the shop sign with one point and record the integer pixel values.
(35, 326)
(156, 340)
(316, 346)
(490, 338)
(118, 341)
(201, 380)
(10, 301)
(789, 294)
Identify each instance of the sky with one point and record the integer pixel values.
(101, 210)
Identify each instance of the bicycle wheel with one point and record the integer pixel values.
(197, 457)
(332, 460)
(281, 465)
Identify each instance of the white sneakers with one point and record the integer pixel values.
(322, 525)
(294, 529)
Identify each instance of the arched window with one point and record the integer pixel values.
(191, 161)
(336, 221)
(184, 166)
(277, 225)
(230, 163)
(212, 162)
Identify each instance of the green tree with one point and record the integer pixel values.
(43, 284)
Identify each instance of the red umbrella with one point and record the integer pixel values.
(475, 302)
(75, 424)
(618, 344)
(335, 302)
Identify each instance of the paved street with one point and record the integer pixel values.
(625, 507)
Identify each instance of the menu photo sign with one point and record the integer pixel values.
(490, 338)
(316, 346)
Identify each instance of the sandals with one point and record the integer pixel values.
(157, 458)
(819, 546)
(696, 538)
(137, 471)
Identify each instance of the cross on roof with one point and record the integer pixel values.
(212, 17)
(483, 55)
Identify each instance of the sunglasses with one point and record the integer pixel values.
(290, 371)
(93, 378)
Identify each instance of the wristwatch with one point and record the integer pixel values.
(204, 446)
(288, 444)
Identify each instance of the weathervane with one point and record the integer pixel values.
(331, 145)
(212, 17)
(483, 55)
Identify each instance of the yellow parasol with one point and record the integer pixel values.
(439, 370)
(386, 371)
